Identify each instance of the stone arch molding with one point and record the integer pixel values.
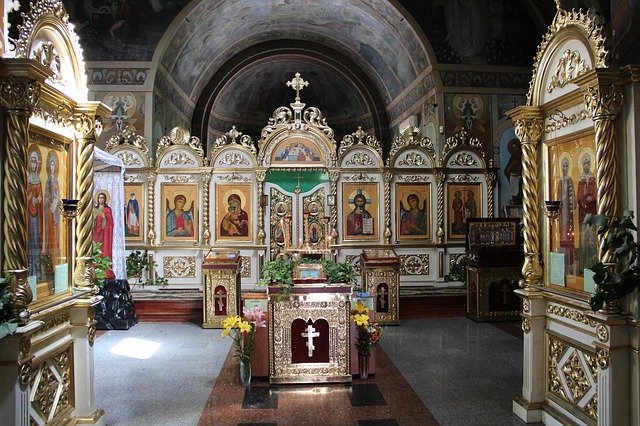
(47, 37)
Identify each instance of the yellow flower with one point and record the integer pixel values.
(244, 326)
(226, 331)
(361, 320)
(360, 308)
(231, 321)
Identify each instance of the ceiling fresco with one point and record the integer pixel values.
(373, 34)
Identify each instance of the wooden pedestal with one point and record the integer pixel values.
(490, 293)
(221, 296)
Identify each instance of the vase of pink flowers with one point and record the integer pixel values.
(242, 330)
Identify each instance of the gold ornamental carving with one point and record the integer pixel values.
(388, 176)
(440, 177)
(570, 66)
(206, 232)
(374, 277)
(212, 279)
(529, 131)
(580, 20)
(21, 294)
(180, 137)
(526, 306)
(233, 137)
(359, 137)
(460, 140)
(414, 264)
(572, 314)
(56, 321)
(602, 356)
(602, 333)
(526, 325)
(151, 191)
(491, 183)
(412, 137)
(24, 374)
(179, 266)
(558, 120)
(127, 137)
(572, 377)
(245, 267)
(605, 103)
(52, 388)
(355, 260)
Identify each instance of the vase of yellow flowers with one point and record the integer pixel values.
(369, 335)
(243, 330)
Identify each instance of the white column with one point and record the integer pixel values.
(83, 334)
(14, 396)
(529, 406)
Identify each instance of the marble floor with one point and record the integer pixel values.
(448, 371)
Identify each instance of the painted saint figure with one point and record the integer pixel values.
(179, 221)
(414, 220)
(236, 221)
(51, 214)
(587, 196)
(513, 171)
(359, 221)
(34, 211)
(470, 207)
(103, 227)
(457, 226)
(132, 216)
(566, 192)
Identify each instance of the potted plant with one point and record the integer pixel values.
(8, 322)
(617, 279)
(280, 272)
(101, 264)
(138, 266)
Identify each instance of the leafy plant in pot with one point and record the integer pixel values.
(617, 279)
(138, 267)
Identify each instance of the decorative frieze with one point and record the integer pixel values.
(572, 314)
(414, 264)
(118, 76)
(179, 267)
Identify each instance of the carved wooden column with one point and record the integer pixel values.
(260, 177)
(490, 176)
(388, 176)
(604, 104)
(440, 177)
(529, 130)
(83, 124)
(206, 233)
(151, 191)
(18, 96)
(334, 175)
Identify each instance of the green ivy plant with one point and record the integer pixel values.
(458, 271)
(138, 263)
(8, 322)
(101, 264)
(279, 272)
(614, 281)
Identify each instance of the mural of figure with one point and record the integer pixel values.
(468, 26)
(457, 226)
(235, 222)
(52, 212)
(34, 211)
(103, 227)
(567, 195)
(359, 219)
(132, 217)
(513, 171)
(587, 196)
(179, 221)
(470, 207)
(414, 220)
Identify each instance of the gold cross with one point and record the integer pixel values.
(297, 84)
(298, 177)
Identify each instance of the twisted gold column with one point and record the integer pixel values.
(605, 103)
(18, 97)
(151, 191)
(440, 176)
(529, 131)
(85, 138)
(334, 175)
(260, 176)
(491, 182)
(388, 176)
(206, 233)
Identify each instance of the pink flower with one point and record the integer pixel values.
(256, 316)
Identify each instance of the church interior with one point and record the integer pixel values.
(319, 211)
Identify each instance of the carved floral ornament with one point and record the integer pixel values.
(569, 66)
(359, 137)
(411, 137)
(586, 25)
(127, 137)
(180, 137)
(234, 137)
(461, 139)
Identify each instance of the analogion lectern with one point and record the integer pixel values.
(381, 278)
(221, 271)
